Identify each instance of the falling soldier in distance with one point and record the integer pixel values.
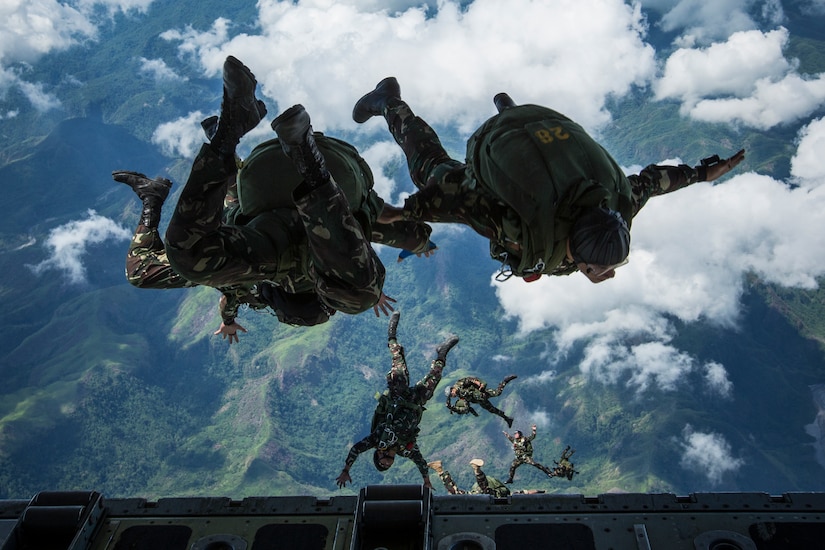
(395, 423)
(484, 484)
(523, 450)
(472, 390)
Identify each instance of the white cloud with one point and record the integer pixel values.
(30, 29)
(701, 21)
(67, 244)
(609, 359)
(42, 101)
(159, 70)
(450, 62)
(807, 166)
(538, 417)
(378, 156)
(745, 79)
(716, 378)
(708, 453)
(181, 137)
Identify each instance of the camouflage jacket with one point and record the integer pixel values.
(523, 446)
(409, 450)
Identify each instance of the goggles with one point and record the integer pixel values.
(599, 270)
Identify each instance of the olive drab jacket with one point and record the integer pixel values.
(545, 168)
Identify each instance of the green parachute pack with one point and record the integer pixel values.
(268, 177)
(545, 168)
(496, 487)
(402, 416)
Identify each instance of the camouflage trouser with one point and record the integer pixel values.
(147, 265)
(444, 194)
(485, 404)
(320, 235)
(398, 379)
(452, 488)
(519, 460)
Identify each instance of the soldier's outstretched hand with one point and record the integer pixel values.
(230, 331)
(724, 166)
(384, 305)
(343, 479)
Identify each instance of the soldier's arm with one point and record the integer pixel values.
(363, 445)
(229, 328)
(659, 180)
(404, 234)
(418, 459)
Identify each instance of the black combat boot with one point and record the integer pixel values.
(443, 349)
(295, 133)
(210, 126)
(241, 111)
(393, 328)
(151, 192)
(373, 103)
(503, 383)
(511, 476)
(509, 421)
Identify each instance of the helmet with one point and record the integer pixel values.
(599, 236)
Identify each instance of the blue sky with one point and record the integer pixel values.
(727, 64)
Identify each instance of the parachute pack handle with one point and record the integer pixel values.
(503, 101)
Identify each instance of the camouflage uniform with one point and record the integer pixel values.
(447, 190)
(474, 390)
(564, 468)
(482, 486)
(398, 432)
(317, 246)
(147, 265)
(523, 449)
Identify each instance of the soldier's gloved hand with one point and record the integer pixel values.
(721, 167)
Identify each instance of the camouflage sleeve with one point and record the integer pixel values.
(416, 456)
(658, 180)
(406, 234)
(364, 445)
(232, 300)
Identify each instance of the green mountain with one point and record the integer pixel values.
(127, 391)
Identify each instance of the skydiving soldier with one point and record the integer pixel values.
(548, 197)
(523, 449)
(395, 423)
(469, 390)
(305, 259)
